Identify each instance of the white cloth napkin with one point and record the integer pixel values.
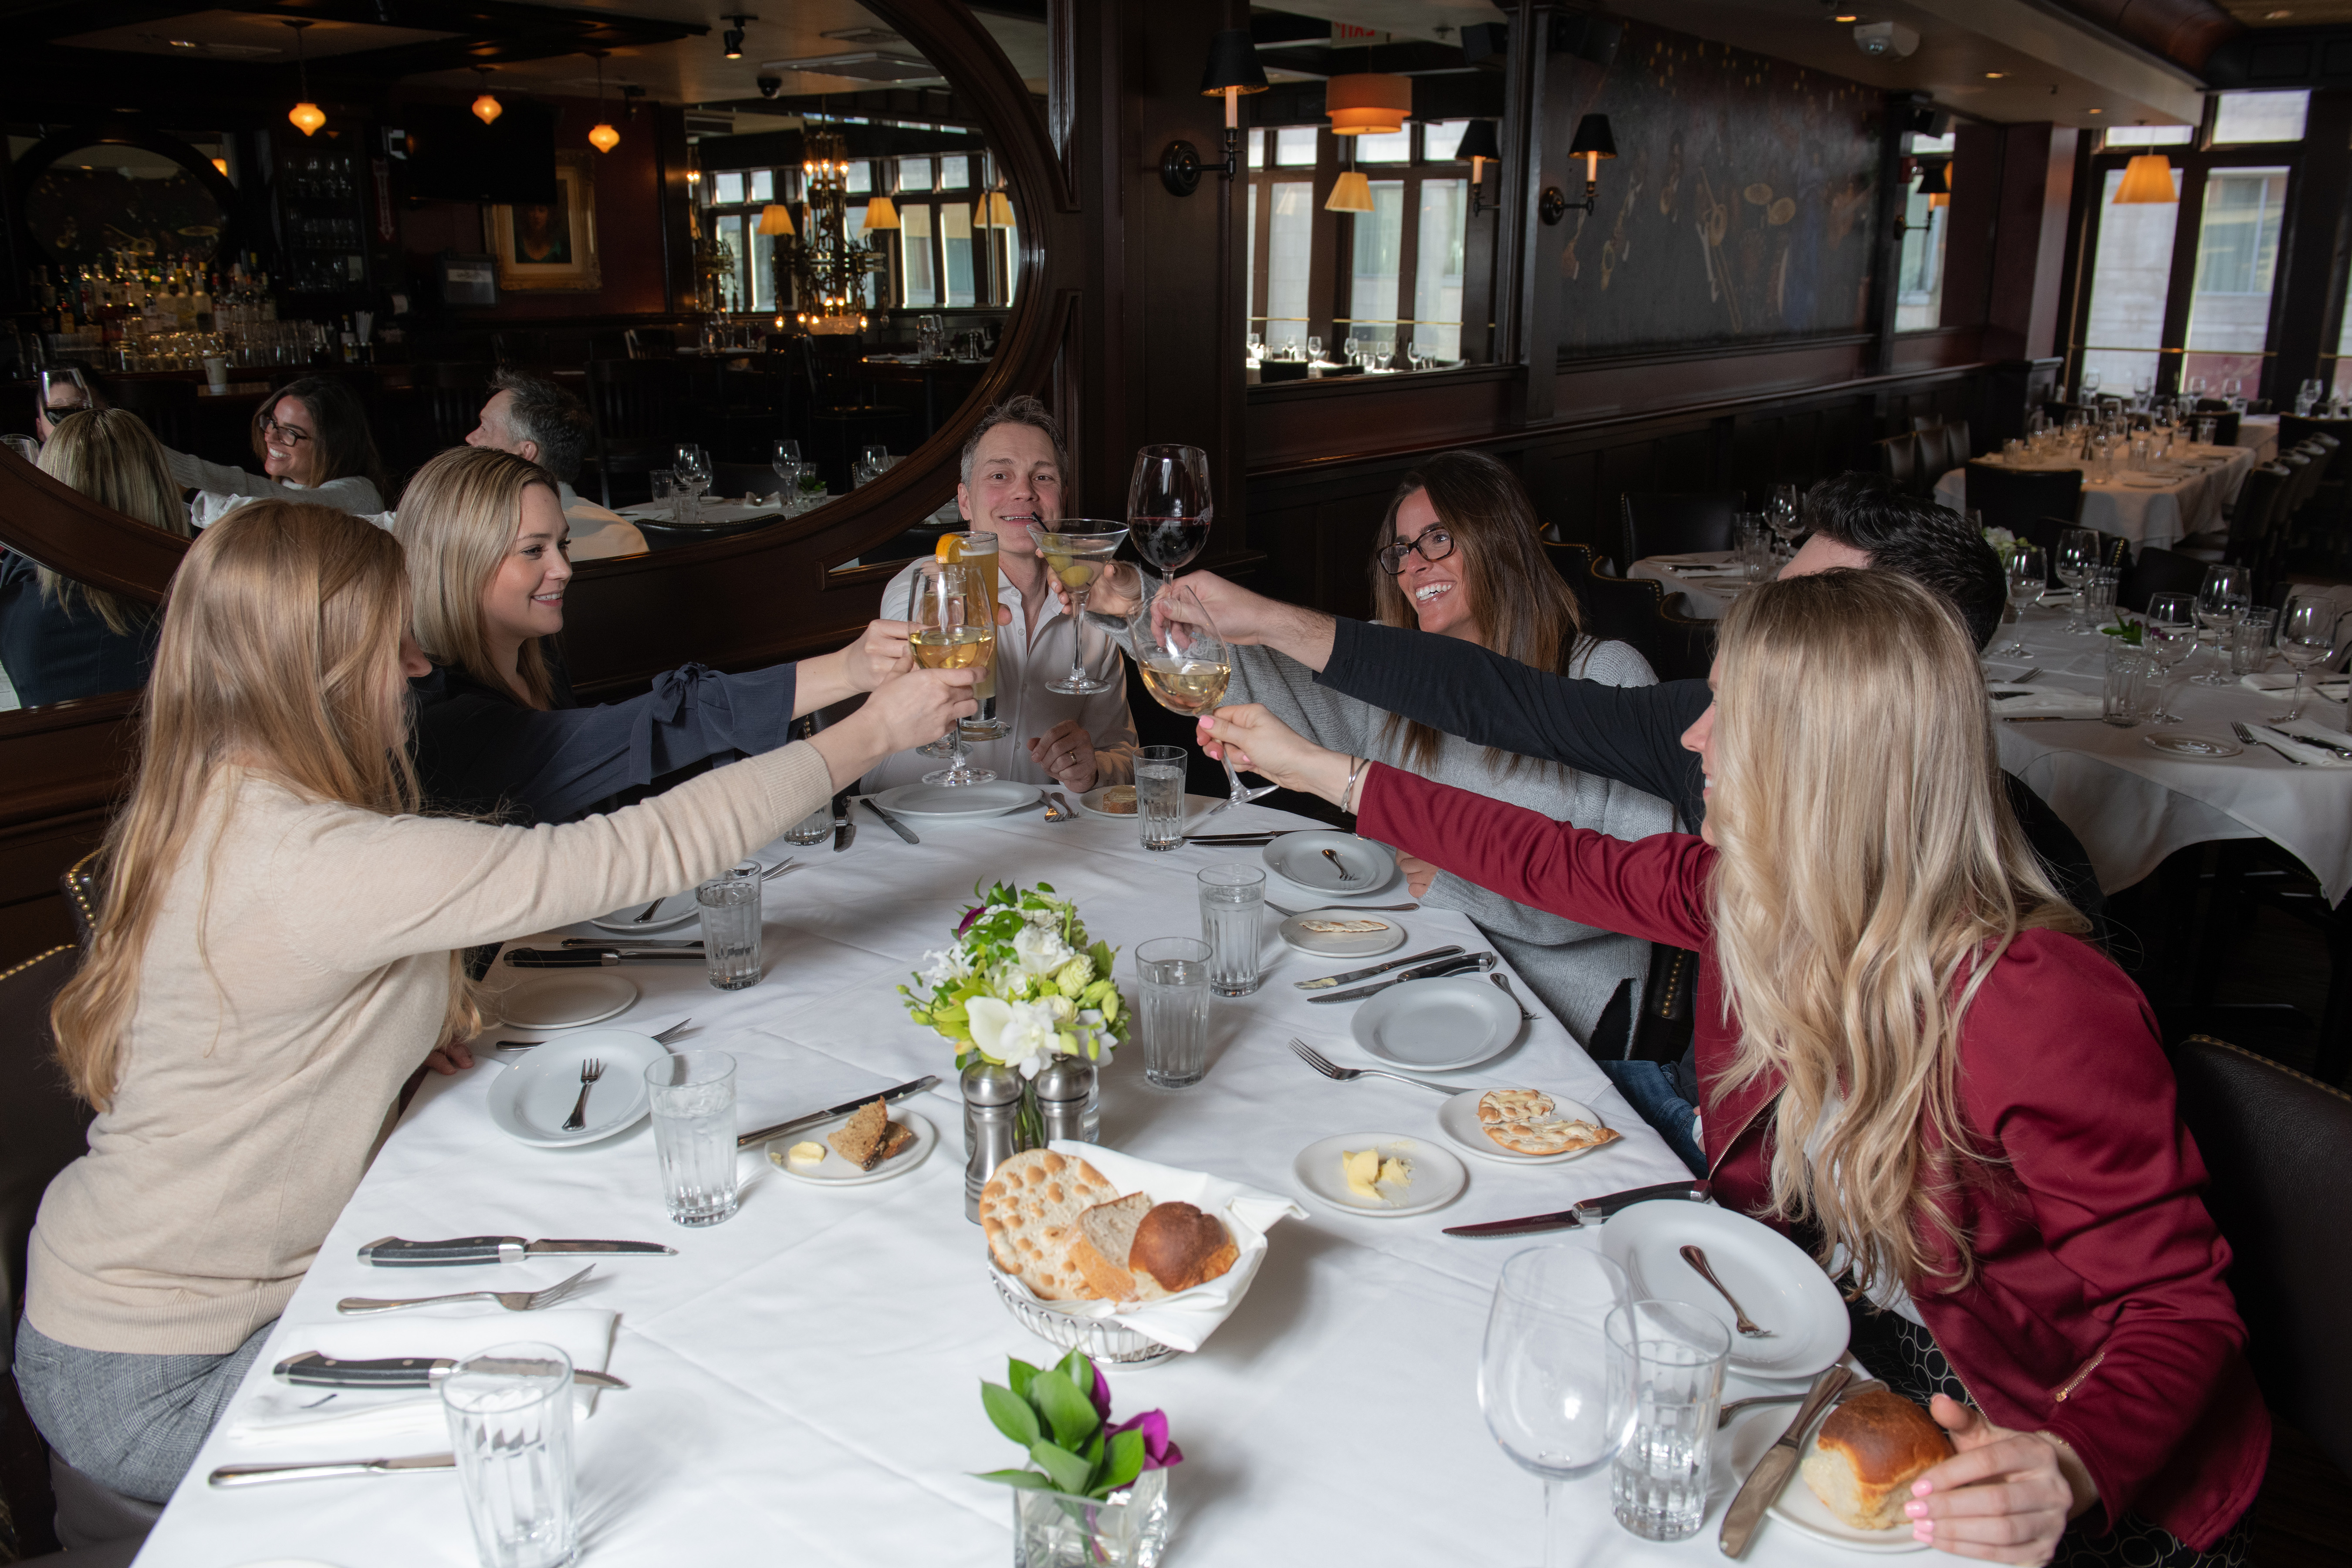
(2011, 699)
(1187, 1318)
(2284, 740)
(285, 1411)
(2333, 689)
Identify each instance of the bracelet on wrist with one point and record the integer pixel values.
(1357, 766)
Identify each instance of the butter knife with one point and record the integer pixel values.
(1469, 963)
(313, 1370)
(887, 1097)
(892, 823)
(1328, 981)
(597, 944)
(1772, 1472)
(393, 1252)
(1592, 1211)
(318, 1470)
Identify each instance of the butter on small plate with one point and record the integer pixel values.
(1431, 1178)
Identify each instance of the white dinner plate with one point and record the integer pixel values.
(1437, 1025)
(833, 1171)
(531, 1100)
(675, 910)
(565, 999)
(1438, 1177)
(1343, 944)
(1797, 1507)
(1783, 1289)
(2203, 748)
(1458, 1119)
(1299, 858)
(956, 803)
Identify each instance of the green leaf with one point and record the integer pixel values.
(1069, 1412)
(1028, 1479)
(1094, 1454)
(1078, 1370)
(1018, 1372)
(1068, 1471)
(1011, 1413)
(1126, 1464)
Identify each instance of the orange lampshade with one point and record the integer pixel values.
(2146, 178)
(1352, 193)
(486, 109)
(993, 210)
(604, 138)
(222, 165)
(307, 117)
(881, 212)
(1367, 104)
(776, 219)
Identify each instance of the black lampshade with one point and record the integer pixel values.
(1233, 63)
(1932, 181)
(1593, 135)
(1478, 141)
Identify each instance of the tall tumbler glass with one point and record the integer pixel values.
(1175, 975)
(1668, 1357)
(693, 1096)
(509, 1413)
(1231, 899)
(1159, 795)
(730, 926)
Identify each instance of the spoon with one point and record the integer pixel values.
(1697, 1258)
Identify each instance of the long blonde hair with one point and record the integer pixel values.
(278, 659)
(110, 456)
(458, 520)
(1870, 877)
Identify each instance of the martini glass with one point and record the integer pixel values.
(1186, 668)
(1078, 551)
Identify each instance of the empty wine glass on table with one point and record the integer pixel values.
(2222, 598)
(787, 462)
(691, 464)
(2029, 578)
(1076, 551)
(1784, 512)
(2170, 635)
(1186, 666)
(954, 628)
(2090, 383)
(1314, 351)
(2306, 636)
(1545, 1381)
(1169, 507)
(2078, 557)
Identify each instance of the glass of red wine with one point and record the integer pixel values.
(1169, 507)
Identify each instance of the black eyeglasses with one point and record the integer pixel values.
(1433, 544)
(286, 433)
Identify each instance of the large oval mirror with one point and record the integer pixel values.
(104, 198)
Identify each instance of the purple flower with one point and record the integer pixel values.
(1101, 1396)
(1158, 1453)
(970, 915)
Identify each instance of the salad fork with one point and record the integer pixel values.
(1339, 865)
(1332, 1069)
(590, 1071)
(512, 1300)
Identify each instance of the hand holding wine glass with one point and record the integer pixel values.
(1076, 552)
(952, 628)
(1186, 666)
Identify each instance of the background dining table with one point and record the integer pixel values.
(2176, 498)
(804, 1379)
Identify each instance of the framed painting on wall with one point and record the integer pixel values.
(549, 247)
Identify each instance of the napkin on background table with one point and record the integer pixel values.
(2284, 740)
(294, 1411)
(2011, 699)
(2334, 688)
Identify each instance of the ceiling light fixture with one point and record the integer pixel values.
(306, 115)
(601, 135)
(1995, 76)
(2147, 180)
(1367, 104)
(1845, 16)
(881, 211)
(733, 36)
(486, 108)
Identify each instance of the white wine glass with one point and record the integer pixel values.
(2224, 596)
(691, 464)
(2078, 557)
(2306, 636)
(2170, 634)
(952, 628)
(2029, 577)
(1186, 667)
(1078, 551)
(1545, 1381)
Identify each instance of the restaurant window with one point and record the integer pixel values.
(1388, 147)
(918, 281)
(1294, 146)
(951, 255)
(1257, 149)
(1280, 309)
(859, 181)
(1920, 274)
(2129, 274)
(2242, 118)
(2237, 257)
(955, 232)
(727, 187)
(1437, 274)
(763, 186)
(2138, 137)
(729, 232)
(2339, 380)
(914, 174)
(955, 174)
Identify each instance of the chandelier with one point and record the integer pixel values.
(827, 269)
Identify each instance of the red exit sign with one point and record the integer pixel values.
(1349, 33)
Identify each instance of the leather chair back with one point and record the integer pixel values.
(1616, 609)
(2014, 499)
(1685, 648)
(451, 393)
(2159, 571)
(1655, 522)
(1898, 461)
(2274, 1143)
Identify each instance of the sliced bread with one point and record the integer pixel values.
(1029, 1211)
(1098, 1251)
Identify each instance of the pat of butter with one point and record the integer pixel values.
(1362, 1169)
(1394, 1173)
(805, 1154)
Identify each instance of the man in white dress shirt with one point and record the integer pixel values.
(1012, 477)
(534, 418)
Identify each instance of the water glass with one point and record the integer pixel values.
(814, 828)
(510, 1413)
(2129, 695)
(2251, 638)
(1230, 898)
(693, 1096)
(1175, 975)
(730, 925)
(1668, 1358)
(667, 494)
(2206, 430)
(2099, 595)
(1159, 795)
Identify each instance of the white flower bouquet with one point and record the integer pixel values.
(1021, 982)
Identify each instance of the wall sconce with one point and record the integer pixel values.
(306, 115)
(881, 212)
(1594, 143)
(1479, 145)
(1936, 183)
(1232, 71)
(2147, 178)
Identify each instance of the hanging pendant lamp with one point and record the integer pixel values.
(485, 108)
(1367, 104)
(306, 115)
(2148, 179)
(601, 135)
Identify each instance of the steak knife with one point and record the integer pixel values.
(308, 1367)
(887, 1097)
(598, 957)
(1772, 1472)
(1469, 963)
(1592, 1211)
(391, 1252)
(1329, 981)
(318, 1470)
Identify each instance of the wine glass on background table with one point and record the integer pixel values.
(691, 464)
(2029, 578)
(1784, 511)
(2078, 557)
(2222, 598)
(787, 462)
(1078, 551)
(2170, 635)
(2306, 636)
(1168, 508)
(953, 627)
(1186, 667)
(1544, 1375)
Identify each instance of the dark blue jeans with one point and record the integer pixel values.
(1657, 1093)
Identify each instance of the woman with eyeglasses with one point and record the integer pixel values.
(1458, 555)
(314, 444)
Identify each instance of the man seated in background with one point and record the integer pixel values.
(536, 419)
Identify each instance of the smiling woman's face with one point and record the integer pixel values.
(524, 597)
(289, 442)
(1434, 589)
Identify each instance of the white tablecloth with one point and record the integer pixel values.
(805, 1378)
(2132, 805)
(1707, 593)
(2260, 431)
(2144, 514)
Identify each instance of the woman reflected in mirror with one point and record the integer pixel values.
(314, 444)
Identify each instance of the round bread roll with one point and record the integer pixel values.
(1180, 1246)
(1869, 1451)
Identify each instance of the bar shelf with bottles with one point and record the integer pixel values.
(321, 225)
(129, 311)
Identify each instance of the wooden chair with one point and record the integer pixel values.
(2114, 549)
(1616, 609)
(1655, 522)
(450, 395)
(1686, 642)
(633, 404)
(1897, 460)
(2014, 499)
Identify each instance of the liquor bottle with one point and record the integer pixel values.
(350, 343)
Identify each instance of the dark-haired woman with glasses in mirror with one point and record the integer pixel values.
(313, 441)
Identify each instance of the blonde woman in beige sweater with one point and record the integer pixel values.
(276, 953)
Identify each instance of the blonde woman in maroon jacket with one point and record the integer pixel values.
(1905, 1047)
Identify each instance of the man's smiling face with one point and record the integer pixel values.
(1014, 483)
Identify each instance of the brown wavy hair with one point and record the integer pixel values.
(346, 445)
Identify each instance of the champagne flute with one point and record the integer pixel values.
(1169, 507)
(2078, 557)
(952, 629)
(1553, 1396)
(2222, 598)
(2029, 575)
(1186, 668)
(2306, 636)
(1076, 551)
(2170, 635)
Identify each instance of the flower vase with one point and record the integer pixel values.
(1055, 1529)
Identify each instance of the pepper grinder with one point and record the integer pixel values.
(992, 1109)
(1066, 1100)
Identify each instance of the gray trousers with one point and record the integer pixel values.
(132, 1423)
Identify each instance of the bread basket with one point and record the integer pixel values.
(1102, 1339)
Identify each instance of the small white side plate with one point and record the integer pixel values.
(954, 803)
(1753, 1432)
(566, 998)
(1458, 1119)
(1299, 857)
(674, 911)
(1342, 944)
(833, 1171)
(1436, 1025)
(2207, 748)
(1091, 804)
(1438, 1177)
(530, 1101)
(1783, 1289)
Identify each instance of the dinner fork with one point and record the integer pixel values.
(2251, 739)
(590, 1071)
(1057, 808)
(1339, 865)
(1722, 1416)
(512, 1300)
(779, 868)
(665, 1038)
(1504, 986)
(1332, 1069)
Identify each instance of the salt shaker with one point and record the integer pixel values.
(1066, 1097)
(991, 1107)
